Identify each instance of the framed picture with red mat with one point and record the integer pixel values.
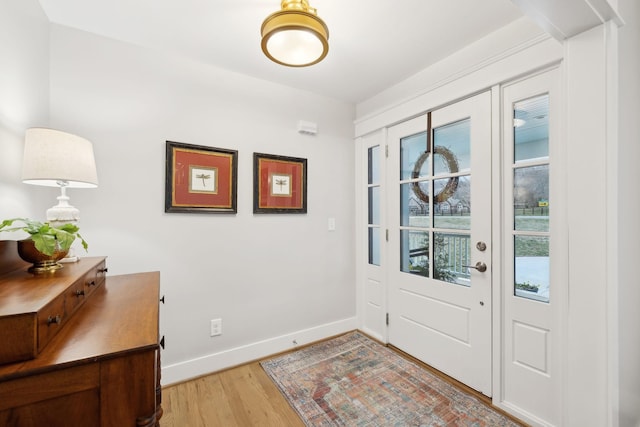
(200, 179)
(279, 184)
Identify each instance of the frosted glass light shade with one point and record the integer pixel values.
(52, 157)
(295, 47)
(295, 36)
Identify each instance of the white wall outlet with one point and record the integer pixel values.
(216, 327)
(331, 224)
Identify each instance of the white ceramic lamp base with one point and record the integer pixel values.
(63, 213)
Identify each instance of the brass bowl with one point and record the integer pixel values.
(41, 263)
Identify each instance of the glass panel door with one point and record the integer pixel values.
(439, 239)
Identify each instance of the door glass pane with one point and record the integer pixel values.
(374, 205)
(532, 267)
(374, 165)
(452, 147)
(451, 252)
(531, 198)
(452, 203)
(413, 160)
(414, 252)
(414, 204)
(531, 128)
(374, 245)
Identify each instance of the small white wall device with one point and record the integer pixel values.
(307, 128)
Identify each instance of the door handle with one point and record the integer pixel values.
(480, 266)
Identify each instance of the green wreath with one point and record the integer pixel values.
(452, 184)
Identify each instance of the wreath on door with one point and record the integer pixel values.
(452, 184)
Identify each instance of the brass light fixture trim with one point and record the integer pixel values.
(295, 36)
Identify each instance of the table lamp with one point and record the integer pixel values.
(58, 159)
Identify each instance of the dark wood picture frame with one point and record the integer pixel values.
(279, 184)
(200, 179)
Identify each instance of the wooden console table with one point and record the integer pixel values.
(101, 369)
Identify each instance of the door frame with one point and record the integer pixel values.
(379, 135)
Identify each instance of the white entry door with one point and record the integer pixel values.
(439, 239)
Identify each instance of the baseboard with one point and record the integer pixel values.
(182, 371)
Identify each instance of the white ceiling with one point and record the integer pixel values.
(373, 44)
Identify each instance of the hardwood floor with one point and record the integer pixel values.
(239, 397)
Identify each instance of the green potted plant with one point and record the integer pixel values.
(47, 244)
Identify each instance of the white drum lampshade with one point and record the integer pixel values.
(58, 159)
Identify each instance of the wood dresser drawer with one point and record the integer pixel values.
(45, 386)
(34, 308)
(95, 277)
(75, 296)
(84, 287)
(50, 320)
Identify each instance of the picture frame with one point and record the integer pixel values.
(200, 179)
(279, 184)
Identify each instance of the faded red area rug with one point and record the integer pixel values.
(352, 380)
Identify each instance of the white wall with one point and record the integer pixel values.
(24, 95)
(266, 276)
(629, 206)
(603, 93)
(586, 390)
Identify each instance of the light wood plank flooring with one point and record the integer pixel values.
(239, 397)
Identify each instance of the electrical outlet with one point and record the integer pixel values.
(216, 327)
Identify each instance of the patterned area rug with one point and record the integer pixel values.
(354, 381)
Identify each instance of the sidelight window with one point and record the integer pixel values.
(373, 204)
(531, 198)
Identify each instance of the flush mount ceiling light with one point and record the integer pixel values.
(295, 36)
